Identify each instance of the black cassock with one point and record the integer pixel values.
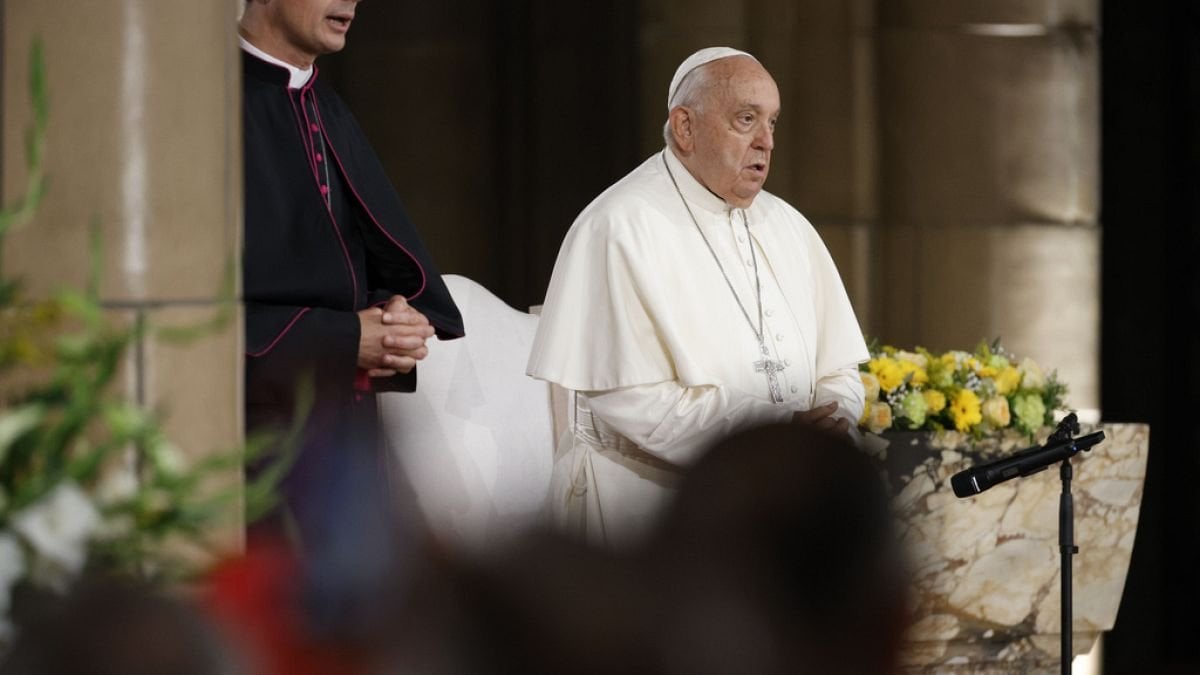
(325, 236)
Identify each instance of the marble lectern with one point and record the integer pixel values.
(987, 567)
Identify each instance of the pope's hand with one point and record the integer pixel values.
(392, 338)
(822, 417)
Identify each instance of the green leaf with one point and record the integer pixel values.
(80, 305)
(16, 423)
(127, 419)
(35, 136)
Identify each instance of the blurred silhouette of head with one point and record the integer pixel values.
(784, 558)
(117, 627)
(777, 556)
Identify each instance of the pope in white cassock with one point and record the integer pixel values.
(687, 303)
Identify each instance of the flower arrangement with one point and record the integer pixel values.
(975, 393)
(89, 482)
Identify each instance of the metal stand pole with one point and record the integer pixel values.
(1066, 545)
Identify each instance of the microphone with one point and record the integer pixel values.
(1059, 446)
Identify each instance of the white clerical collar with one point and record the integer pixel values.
(296, 77)
(692, 189)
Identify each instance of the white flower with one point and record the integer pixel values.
(168, 458)
(58, 527)
(914, 358)
(118, 484)
(870, 386)
(14, 423)
(960, 357)
(996, 413)
(12, 564)
(879, 417)
(12, 568)
(1032, 376)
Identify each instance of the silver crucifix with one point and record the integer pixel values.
(771, 368)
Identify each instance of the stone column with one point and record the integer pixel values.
(144, 137)
(822, 55)
(989, 180)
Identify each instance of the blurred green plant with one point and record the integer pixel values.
(88, 478)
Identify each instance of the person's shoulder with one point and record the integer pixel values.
(634, 201)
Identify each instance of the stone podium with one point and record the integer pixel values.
(986, 568)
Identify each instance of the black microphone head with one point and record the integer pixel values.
(964, 484)
(1067, 427)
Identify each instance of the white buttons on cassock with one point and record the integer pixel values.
(779, 337)
(769, 312)
(795, 389)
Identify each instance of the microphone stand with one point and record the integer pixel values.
(1066, 544)
(1066, 539)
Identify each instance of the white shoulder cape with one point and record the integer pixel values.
(635, 297)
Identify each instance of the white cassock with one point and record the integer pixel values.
(641, 325)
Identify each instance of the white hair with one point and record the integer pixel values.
(694, 85)
(690, 94)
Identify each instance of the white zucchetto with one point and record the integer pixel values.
(706, 55)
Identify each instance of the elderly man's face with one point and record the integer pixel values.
(306, 29)
(735, 132)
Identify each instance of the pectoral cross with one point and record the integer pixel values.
(771, 368)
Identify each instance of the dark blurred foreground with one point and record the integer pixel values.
(777, 556)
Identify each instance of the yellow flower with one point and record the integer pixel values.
(878, 416)
(995, 411)
(958, 360)
(914, 372)
(965, 410)
(935, 399)
(1007, 381)
(888, 371)
(941, 373)
(870, 387)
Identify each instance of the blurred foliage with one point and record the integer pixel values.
(65, 423)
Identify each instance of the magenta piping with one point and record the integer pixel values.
(363, 204)
(283, 332)
(317, 180)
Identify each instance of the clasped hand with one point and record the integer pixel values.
(392, 338)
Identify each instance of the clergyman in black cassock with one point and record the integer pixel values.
(326, 237)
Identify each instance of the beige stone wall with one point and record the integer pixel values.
(144, 137)
(989, 180)
(947, 151)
